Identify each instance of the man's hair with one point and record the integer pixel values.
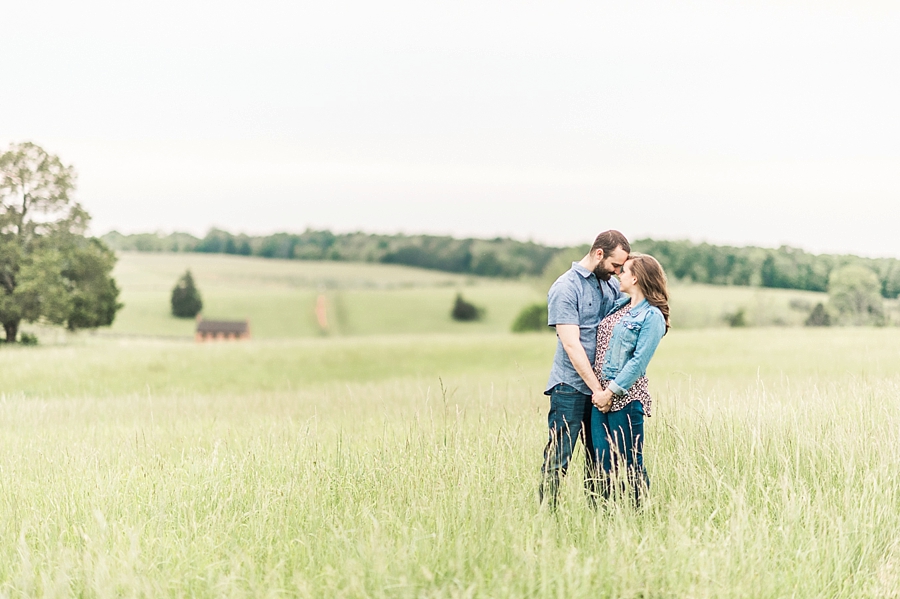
(608, 241)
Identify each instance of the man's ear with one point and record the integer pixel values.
(600, 254)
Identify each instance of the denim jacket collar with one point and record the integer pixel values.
(642, 305)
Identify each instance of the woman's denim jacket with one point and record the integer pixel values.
(634, 339)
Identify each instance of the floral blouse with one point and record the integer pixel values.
(639, 390)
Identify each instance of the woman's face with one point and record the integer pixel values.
(627, 280)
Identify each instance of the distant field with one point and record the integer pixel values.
(407, 465)
(279, 297)
(700, 306)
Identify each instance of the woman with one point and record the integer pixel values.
(626, 340)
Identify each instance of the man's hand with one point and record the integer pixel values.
(602, 400)
(570, 337)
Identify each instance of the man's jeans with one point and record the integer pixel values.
(569, 419)
(619, 444)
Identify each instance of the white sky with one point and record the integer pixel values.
(763, 122)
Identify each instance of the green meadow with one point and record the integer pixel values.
(379, 459)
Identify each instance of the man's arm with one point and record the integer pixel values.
(562, 312)
(570, 337)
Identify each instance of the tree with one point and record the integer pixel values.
(855, 294)
(49, 269)
(186, 301)
(93, 292)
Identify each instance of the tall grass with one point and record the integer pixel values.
(296, 468)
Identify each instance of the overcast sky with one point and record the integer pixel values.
(763, 122)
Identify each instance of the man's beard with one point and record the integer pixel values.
(601, 273)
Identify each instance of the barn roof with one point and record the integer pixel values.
(222, 326)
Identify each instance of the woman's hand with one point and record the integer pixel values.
(602, 400)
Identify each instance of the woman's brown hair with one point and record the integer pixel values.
(651, 278)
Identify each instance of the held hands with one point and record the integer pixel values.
(602, 400)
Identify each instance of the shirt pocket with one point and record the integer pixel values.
(589, 312)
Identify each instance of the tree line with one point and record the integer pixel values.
(498, 257)
(784, 267)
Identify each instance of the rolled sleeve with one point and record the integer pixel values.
(616, 390)
(562, 305)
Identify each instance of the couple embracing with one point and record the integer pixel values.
(607, 331)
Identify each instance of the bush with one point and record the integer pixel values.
(186, 301)
(464, 311)
(737, 318)
(28, 339)
(531, 318)
(819, 317)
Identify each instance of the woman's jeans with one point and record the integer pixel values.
(619, 449)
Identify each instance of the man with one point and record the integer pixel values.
(577, 302)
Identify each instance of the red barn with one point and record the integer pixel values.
(222, 330)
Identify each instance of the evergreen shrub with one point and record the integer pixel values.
(186, 301)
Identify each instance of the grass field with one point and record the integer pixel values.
(279, 298)
(406, 466)
(397, 454)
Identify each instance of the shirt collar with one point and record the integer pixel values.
(581, 270)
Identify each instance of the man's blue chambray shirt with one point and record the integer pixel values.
(578, 297)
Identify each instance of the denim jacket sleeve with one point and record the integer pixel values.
(648, 339)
